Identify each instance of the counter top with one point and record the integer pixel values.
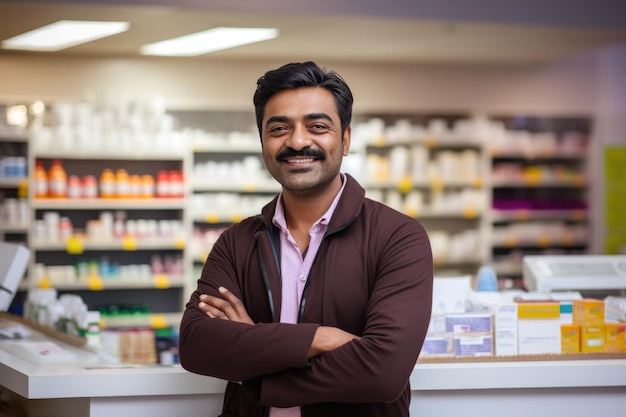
(89, 377)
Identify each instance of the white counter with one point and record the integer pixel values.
(573, 388)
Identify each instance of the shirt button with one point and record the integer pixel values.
(302, 278)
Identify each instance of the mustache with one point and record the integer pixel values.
(303, 153)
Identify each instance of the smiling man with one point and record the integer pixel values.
(319, 305)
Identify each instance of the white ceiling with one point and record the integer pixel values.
(416, 31)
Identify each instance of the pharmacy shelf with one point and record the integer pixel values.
(76, 245)
(102, 284)
(6, 182)
(15, 228)
(526, 214)
(199, 185)
(227, 147)
(434, 184)
(539, 155)
(108, 204)
(107, 154)
(538, 183)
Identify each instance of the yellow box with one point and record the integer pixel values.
(588, 312)
(570, 338)
(615, 337)
(593, 338)
(538, 311)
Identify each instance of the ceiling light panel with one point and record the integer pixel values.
(64, 34)
(209, 41)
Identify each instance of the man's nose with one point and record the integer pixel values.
(299, 138)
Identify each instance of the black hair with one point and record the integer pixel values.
(299, 75)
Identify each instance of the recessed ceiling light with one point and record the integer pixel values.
(63, 34)
(209, 41)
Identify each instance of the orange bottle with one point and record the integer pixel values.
(41, 180)
(107, 183)
(57, 180)
(122, 183)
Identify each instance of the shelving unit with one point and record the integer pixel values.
(539, 186)
(433, 168)
(13, 185)
(119, 250)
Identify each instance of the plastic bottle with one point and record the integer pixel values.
(74, 187)
(122, 183)
(107, 183)
(163, 186)
(147, 186)
(57, 180)
(89, 187)
(486, 279)
(41, 180)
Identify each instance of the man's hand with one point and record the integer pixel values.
(329, 338)
(227, 308)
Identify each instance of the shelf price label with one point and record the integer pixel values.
(236, 217)
(161, 281)
(522, 214)
(250, 187)
(578, 215)
(544, 240)
(379, 140)
(405, 184)
(469, 212)
(44, 283)
(158, 321)
(476, 182)
(179, 243)
(94, 283)
(412, 212)
(430, 142)
(74, 245)
(129, 243)
(436, 184)
(212, 217)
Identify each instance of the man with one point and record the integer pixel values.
(320, 305)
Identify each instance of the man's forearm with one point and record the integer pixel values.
(327, 339)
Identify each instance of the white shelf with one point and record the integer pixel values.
(530, 214)
(435, 184)
(11, 182)
(14, 228)
(128, 244)
(521, 183)
(131, 155)
(116, 284)
(225, 148)
(112, 203)
(496, 154)
(203, 186)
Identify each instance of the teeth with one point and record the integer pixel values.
(300, 160)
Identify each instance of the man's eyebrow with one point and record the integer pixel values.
(316, 116)
(308, 117)
(277, 119)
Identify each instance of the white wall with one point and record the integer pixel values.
(565, 87)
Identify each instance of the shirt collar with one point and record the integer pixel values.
(279, 215)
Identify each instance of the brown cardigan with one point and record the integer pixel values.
(372, 277)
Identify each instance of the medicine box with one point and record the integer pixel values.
(615, 337)
(588, 312)
(505, 329)
(437, 345)
(539, 328)
(472, 345)
(570, 338)
(567, 308)
(468, 323)
(593, 338)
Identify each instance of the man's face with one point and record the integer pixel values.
(301, 138)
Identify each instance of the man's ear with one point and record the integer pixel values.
(347, 135)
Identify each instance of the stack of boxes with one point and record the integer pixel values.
(512, 328)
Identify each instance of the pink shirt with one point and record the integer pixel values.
(295, 268)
